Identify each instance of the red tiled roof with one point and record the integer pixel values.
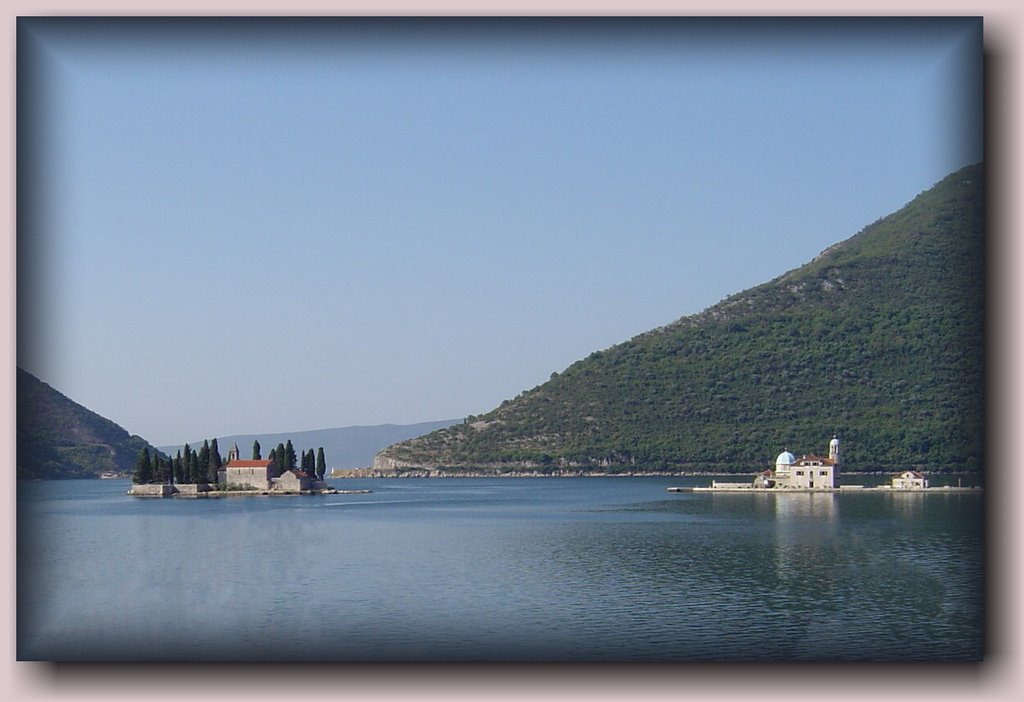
(248, 464)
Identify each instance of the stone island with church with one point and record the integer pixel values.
(813, 473)
(256, 476)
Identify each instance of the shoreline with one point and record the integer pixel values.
(161, 491)
(848, 489)
(365, 473)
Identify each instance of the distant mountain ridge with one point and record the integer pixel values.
(880, 338)
(344, 447)
(58, 438)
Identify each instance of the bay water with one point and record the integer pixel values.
(495, 569)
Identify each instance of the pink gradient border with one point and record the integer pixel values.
(1001, 676)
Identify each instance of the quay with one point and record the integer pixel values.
(192, 491)
(745, 488)
(817, 474)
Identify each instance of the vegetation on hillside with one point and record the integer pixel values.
(879, 339)
(58, 438)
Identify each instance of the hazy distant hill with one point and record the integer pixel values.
(58, 438)
(346, 447)
(879, 338)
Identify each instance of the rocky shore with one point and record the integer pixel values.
(192, 491)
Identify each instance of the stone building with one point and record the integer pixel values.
(910, 480)
(247, 475)
(294, 481)
(260, 474)
(809, 472)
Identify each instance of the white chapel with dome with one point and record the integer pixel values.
(809, 472)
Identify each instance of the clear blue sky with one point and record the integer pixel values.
(241, 226)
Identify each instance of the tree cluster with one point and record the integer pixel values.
(202, 466)
(187, 466)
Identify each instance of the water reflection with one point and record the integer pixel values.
(522, 570)
(805, 517)
(805, 534)
(908, 504)
(806, 505)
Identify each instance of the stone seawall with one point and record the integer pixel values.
(192, 490)
(153, 490)
(734, 487)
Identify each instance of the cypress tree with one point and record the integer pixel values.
(281, 459)
(159, 469)
(290, 456)
(198, 474)
(321, 463)
(143, 468)
(216, 462)
(256, 451)
(177, 475)
(203, 469)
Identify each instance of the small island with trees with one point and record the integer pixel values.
(205, 473)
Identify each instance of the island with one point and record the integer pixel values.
(204, 474)
(811, 473)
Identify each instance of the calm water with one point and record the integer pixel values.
(559, 569)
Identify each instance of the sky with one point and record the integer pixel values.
(234, 226)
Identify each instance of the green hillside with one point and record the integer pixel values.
(58, 438)
(880, 339)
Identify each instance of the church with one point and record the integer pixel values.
(259, 474)
(247, 475)
(809, 472)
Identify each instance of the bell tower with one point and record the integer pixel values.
(833, 449)
(233, 452)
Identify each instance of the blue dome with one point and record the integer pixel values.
(785, 459)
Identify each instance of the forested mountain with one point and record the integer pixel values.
(58, 438)
(879, 339)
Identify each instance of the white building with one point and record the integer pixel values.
(809, 472)
(910, 480)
